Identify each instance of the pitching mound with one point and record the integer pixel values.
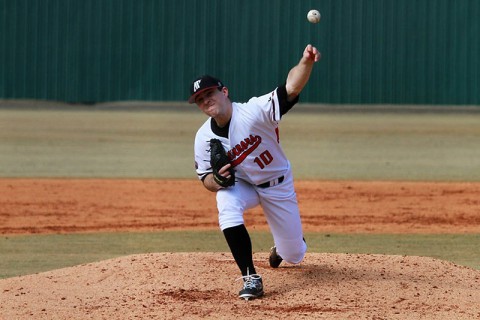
(202, 285)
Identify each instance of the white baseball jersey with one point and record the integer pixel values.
(253, 143)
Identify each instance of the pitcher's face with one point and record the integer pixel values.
(213, 101)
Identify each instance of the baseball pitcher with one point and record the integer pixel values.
(238, 155)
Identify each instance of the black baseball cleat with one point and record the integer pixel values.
(252, 287)
(274, 258)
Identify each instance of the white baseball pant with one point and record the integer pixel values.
(280, 206)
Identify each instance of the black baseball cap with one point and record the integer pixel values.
(201, 84)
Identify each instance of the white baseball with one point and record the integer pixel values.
(313, 16)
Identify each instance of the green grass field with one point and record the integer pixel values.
(35, 253)
(159, 144)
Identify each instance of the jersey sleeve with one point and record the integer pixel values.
(202, 153)
(275, 104)
(283, 102)
(202, 159)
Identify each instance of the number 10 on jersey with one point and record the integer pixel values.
(264, 159)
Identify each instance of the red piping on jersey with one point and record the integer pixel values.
(273, 102)
(238, 153)
(274, 117)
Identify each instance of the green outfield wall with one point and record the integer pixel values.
(374, 51)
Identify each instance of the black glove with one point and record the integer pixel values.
(218, 159)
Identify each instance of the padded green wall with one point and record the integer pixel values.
(374, 51)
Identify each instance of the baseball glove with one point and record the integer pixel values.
(218, 159)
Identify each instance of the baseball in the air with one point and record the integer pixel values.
(313, 16)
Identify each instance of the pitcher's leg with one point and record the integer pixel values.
(286, 228)
(240, 245)
(232, 203)
(281, 210)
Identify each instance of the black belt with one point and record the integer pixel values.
(272, 183)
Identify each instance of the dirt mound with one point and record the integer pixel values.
(202, 285)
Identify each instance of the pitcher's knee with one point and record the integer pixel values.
(292, 251)
(293, 257)
(229, 220)
(230, 215)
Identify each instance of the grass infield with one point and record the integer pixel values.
(28, 254)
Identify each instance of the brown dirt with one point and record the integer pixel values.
(201, 285)
(84, 205)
